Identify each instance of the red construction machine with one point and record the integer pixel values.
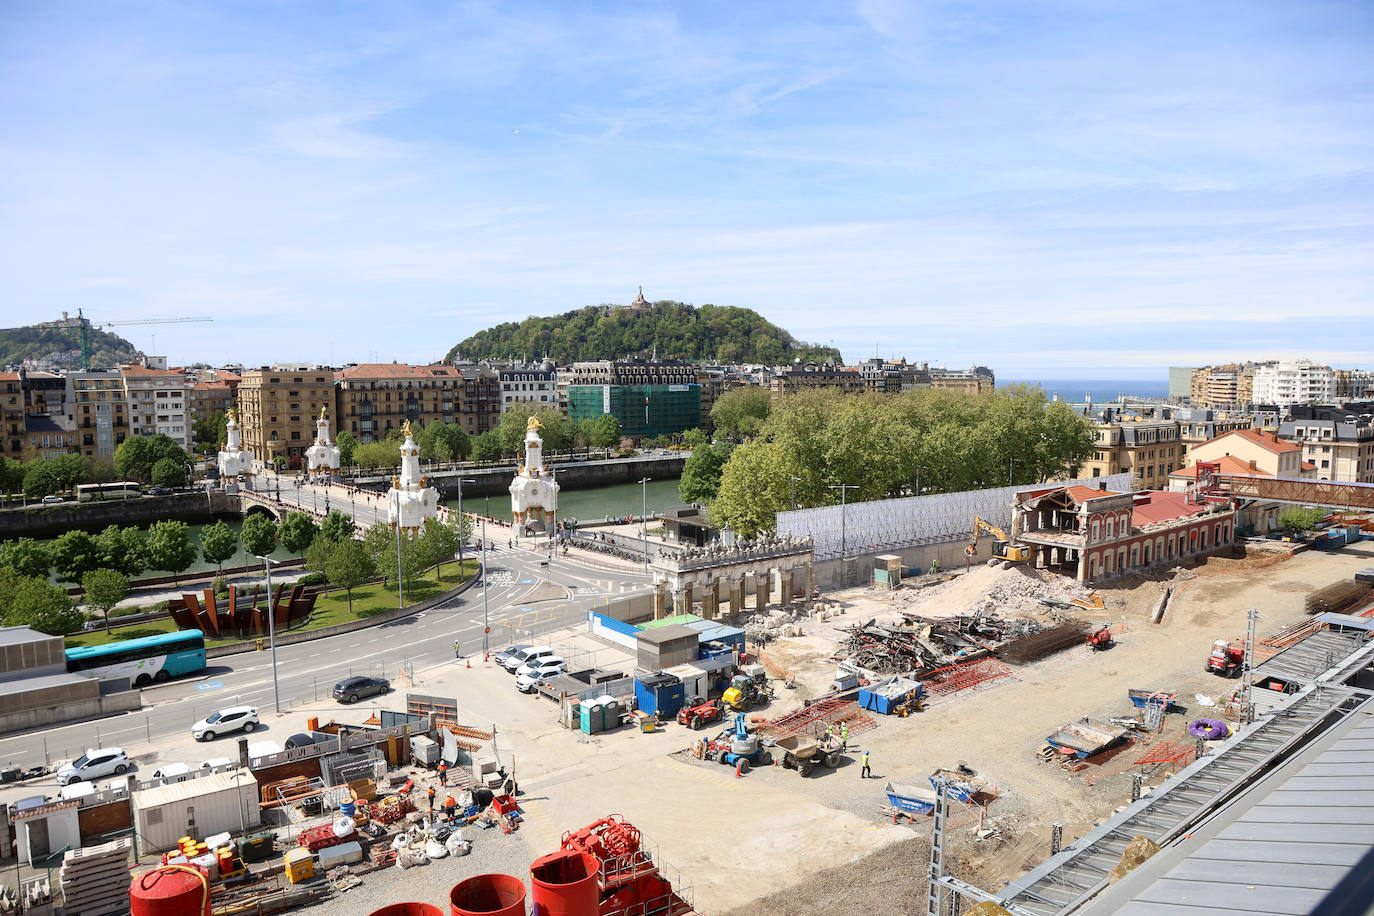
(1226, 659)
(698, 712)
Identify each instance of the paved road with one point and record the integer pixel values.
(311, 669)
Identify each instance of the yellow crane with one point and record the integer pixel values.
(1002, 548)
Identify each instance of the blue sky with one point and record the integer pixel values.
(1059, 189)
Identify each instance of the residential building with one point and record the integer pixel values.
(886, 376)
(210, 398)
(1094, 534)
(1354, 384)
(1255, 449)
(1288, 382)
(372, 399)
(1338, 442)
(791, 381)
(1197, 425)
(277, 408)
(12, 415)
(643, 410)
(45, 393)
(633, 372)
(714, 381)
(99, 411)
(535, 384)
(158, 402)
(479, 399)
(1181, 384)
(1147, 448)
(1225, 386)
(974, 381)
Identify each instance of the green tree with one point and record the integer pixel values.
(439, 542)
(487, 446)
(298, 532)
(701, 473)
(40, 479)
(137, 455)
(26, 557)
(74, 554)
(170, 548)
(556, 434)
(211, 432)
(378, 455)
(99, 470)
(11, 475)
(218, 542)
(740, 412)
(122, 549)
(38, 604)
(337, 526)
(381, 544)
(69, 469)
(169, 472)
(348, 446)
(1297, 519)
(443, 442)
(348, 565)
(751, 490)
(695, 437)
(259, 533)
(104, 589)
(604, 432)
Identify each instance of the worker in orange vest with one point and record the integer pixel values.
(450, 805)
(430, 795)
(443, 774)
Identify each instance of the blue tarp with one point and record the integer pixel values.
(885, 695)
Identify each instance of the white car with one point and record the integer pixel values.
(95, 763)
(540, 670)
(171, 770)
(520, 657)
(208, 765)
(232, 719)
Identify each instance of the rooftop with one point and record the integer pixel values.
(228, 780)
(1261, 438)
(1163, 507)
(1229, 464)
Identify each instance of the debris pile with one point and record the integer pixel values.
(922, 644)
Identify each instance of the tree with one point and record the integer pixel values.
(137, 455)
(740, 412)
(169, 472)
(170, 548)
(69, 469)
(701, 473)
(218, 542)
(122, 549)
(348, 445)
(443, 442)
(11, 475)
(40, 479)
(104, 589)
(211, 432)
(378, 455)
(74, 554)
(347, 566)
(36, 603)
(297, 532)
(26, 557)
(337, 526)
(751, 490)
(439, 542)
(381, 544)
(604, 432)
(487, 446)
(1297, 519)
(259, 533)
(556, 434)
(99, 470)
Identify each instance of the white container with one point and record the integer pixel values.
(342, 854)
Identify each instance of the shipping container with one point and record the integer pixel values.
(218, 802)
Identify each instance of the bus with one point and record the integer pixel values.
(124, 489)
(143, 660)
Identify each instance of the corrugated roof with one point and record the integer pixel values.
(1311, 656)
(1163, 507)
(226, 781)
(1081, 494)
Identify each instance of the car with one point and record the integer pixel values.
(214, 762)
(170, 770)
(352, 689)
(517, 659)
(537, 671)
(159, 491)
(52, 500)
(95, 763)
(229, 719)
(508, 653)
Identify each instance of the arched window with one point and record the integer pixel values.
(1097, 530)
(1111, 526)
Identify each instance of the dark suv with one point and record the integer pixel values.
(351, 690)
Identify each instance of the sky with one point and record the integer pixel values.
(1053, 189)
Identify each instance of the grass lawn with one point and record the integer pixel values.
(331, 608)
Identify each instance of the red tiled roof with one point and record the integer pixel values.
(9, 376)
(1309, 466)
(1082, 494)
(1261, 438)
(207, 386)
(1163, 507)
(1229, 464)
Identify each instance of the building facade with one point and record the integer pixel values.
(646, 411)
(277, 410)
(158, 403)
(1148, 449)
(480, 405)
(1199, 425)
(888, 376)
(1339, 443)
(973, 381)
(1287, 383)
(535, 384)
(99, 411)
(791, 381)
(372, 399)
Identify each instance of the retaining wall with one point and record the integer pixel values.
(43, 716)
(51, 521)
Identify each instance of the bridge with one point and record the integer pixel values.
(275, 495)
(1299, 491)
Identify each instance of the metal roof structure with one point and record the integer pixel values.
(1312, 656)
(229, 780)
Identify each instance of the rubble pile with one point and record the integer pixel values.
(922, 644)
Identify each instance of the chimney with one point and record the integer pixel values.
(1102, 484)
(1253, 467)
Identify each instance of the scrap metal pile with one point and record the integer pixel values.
(923, 644)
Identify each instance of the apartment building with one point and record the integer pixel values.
(209, 398)
(158, 402)
(1147, 448)
(887, 376)
(1199, 425)
(535, 384)
(973, 381)
(278, 406)
(99, 411)
(1354, 384)
(372, 399)
(480, 399)
(791, 381)
(1225, 386)
(1338, 442)
(1289, 382)
(12, 413)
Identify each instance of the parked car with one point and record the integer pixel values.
(213, 762)
(159, 491)
(231, 719)
(52, 500)
(352, 689)
(525, 656)
(169, 770)
(95, 763)
(506, 655)
(539, 670)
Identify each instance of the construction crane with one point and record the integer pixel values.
(86, 326)
(1002, 548)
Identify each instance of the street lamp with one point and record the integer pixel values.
(461, 536)
(644, 514)
(272, 629)
(794, 479)
(844, 489)
(486, 627)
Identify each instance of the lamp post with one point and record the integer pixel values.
(486, 627)
(919, 469)
(644, 513)
(272, 629)
(794, 479)
(844, 489)
(461, 536)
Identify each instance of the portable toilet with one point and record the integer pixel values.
(610, 712)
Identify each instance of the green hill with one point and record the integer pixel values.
(60, 343)
(674, 330)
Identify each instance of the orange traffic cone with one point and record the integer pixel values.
(469, 661)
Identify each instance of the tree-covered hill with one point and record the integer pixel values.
(62, 346)
(674, 329)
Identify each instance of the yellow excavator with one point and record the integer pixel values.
(1002, 548)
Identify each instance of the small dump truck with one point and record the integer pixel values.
(1225, 659)
(802, 752)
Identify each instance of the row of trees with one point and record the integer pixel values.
(147, 459)
(882, 445)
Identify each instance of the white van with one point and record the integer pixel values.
(171, 772)
(521, 657)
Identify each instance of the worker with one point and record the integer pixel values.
(865, 772)
(829, 733)
(456, 652)
(844, 736)
(934, 567)
(450, 805)
(430, 795)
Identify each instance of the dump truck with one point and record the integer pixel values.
(1226, 659)
(802, 753)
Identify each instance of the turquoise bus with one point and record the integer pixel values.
(143, 660)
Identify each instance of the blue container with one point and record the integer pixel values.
(660, 695)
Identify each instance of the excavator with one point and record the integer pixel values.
(1002, 548)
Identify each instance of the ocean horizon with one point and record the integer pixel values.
(1100, 390)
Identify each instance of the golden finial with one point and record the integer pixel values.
(533, 424)
(406, 429)
(233, 415)
(324, 411)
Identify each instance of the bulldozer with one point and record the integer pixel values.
(1002, 548)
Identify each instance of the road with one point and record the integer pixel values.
(309, 670)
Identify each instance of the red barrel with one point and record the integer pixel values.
(171, 890)
(565, 884)
(488, 895)
(409, 909)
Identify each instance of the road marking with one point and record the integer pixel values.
(212, 685)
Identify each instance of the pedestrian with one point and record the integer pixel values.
(866, 772)
(430, 795)
(443, 771)
(456, 653)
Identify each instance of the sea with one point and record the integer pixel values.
(1076, 391)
